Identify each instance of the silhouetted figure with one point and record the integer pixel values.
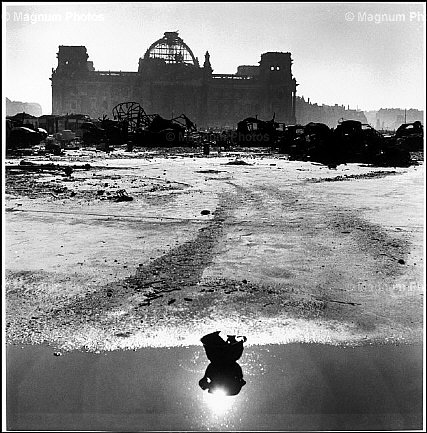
(220, 351)
(223, 373)
(227, 378)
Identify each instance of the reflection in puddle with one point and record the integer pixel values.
(303, 387)
(223, 378)
(219, 402)
(220, 351)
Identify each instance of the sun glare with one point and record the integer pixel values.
(218, 401)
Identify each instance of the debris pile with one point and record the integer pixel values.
(351, 141)
(150, 130)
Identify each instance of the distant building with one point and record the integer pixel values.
(15, 107)
(371, 117)
(392, 118)
(328, 114)
(170, 81)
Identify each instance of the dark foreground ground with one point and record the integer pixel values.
(289, 387)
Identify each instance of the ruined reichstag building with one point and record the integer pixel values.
(170, 81)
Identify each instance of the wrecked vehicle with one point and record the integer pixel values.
(160, 132)
(104, 133)
(410, 136)
(53, 146)
(254, 132)
(152, 129)
(116, 132)
(165, 132)
(357, 142)
(310, 142)
(292, 141)
(22, 137)
(91, 133)
(42, 132)
(350, 141)
(317, 133)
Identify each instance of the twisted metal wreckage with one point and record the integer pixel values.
(350, 141)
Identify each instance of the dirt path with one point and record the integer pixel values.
(288, 252)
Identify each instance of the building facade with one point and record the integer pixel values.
(15, 107)
(328, 114)
(170, 81)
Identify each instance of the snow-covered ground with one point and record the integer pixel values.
(289, 251)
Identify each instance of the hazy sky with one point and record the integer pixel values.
(369, 55)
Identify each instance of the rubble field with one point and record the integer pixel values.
(120, 252)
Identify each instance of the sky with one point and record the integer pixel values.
(362, 55)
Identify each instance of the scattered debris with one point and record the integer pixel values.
(151, 129)
(237, 162)
(372, 174)
(211, 171)
(31, 166)
(338, 302)
(123, 334)
(122, 196)
(350, 141)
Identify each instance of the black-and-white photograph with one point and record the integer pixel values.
(213, 216)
